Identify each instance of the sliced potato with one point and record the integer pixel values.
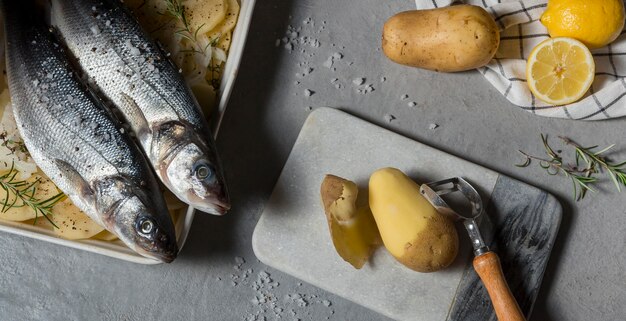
(171, 201)
(204, 15)
(175, 206)
(229, 22)
(224, 42)
(73, 224)
(205, 94)
(105, 236)
(353, 231)
(40, 222)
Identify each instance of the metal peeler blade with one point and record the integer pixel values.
(486, 263)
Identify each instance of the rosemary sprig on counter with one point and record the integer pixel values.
(20, 193)
(588, 163)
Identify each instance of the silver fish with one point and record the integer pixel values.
(76, 142)
(132, 71)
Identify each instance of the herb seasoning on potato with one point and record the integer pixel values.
(450, 39)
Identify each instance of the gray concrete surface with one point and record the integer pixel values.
(586, 276)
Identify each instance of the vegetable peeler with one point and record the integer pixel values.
(486, 262)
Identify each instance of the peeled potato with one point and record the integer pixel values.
(352, 229)
(412, 230)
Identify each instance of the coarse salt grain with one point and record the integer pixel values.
(328, 63)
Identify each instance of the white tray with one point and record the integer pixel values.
(182, 225)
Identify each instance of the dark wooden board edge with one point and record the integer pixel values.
(525, 221)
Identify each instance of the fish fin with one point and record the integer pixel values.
(71, 176)
(85, 198)
(134, 115)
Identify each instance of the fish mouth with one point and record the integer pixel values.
(165, 256)
(215, 208)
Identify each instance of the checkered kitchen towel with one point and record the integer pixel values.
(520, 32)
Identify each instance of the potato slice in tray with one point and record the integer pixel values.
(105, 236)
(71, 222)
(205, 94)
(229, 22)
(204, 15)
(224, 42)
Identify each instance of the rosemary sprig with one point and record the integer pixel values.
(177, 11)
(588, 163)
(617, 171)
(20, 193)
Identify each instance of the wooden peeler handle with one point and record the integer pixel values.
(490, 271)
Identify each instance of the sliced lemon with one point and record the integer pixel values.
(560, 70)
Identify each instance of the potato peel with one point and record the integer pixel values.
(352, 230)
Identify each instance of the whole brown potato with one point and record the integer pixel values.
(450, 39)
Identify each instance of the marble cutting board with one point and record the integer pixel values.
(292, 233)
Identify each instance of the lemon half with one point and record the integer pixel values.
(560, 70)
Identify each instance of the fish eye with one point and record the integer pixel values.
(203, 171)
(145, 226)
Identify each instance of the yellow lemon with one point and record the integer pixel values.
(560, 70)
(594, 22)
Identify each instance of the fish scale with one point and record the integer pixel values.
(75, 141)
(114, 47)
(131, 71)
